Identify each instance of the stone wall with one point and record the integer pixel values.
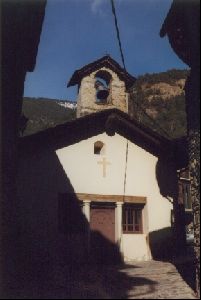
(193, 120)
(86, 101)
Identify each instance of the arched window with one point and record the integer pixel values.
(99, 148)
(102, 86)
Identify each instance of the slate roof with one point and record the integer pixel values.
(105, 61)
(110, 121)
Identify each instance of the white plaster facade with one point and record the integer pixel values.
(85, 173)
(43, 175)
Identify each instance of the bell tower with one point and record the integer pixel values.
(102, 84)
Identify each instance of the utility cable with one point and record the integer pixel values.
(118, 33)
(131, 94)
(126, 165)
(123, 61)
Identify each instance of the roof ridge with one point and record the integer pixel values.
(91, 67)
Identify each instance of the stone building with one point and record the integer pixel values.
(102, 84)
(182, 27)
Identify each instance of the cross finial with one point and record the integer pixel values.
(106, 53)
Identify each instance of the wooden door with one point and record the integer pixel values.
(102, 220)
(102, 224)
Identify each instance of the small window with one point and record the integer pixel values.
(186, 195)
(99, 148)
(132, 219)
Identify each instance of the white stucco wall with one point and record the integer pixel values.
(86, 175)
(84, 172)
(142, 181)
(135, 247)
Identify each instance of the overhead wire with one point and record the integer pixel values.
(130, 92)
(118, 33)
(124, 65)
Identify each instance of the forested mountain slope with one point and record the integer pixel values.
(44, 113)
(162, 97)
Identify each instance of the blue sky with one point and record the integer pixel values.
(77, 32)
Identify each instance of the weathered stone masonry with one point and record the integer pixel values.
(86, 101)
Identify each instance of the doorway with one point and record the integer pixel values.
(102, 225)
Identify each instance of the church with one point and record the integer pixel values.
(99, 187)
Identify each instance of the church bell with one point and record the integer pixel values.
(102, 91)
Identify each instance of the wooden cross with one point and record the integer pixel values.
(104, 163)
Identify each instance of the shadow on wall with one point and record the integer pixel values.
(162, 244)
(166, 176)
(167, 179)
(169, 244)
(103, 251)
(53, 254)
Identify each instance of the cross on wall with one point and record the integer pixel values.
(104, 163)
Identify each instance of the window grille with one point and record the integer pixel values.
(132, 219)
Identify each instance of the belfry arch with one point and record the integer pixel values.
(102, 84)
